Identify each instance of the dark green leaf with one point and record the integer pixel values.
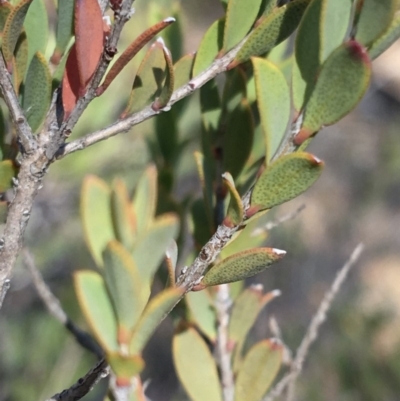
(37, 91)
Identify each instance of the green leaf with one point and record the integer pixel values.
(209, 47)
(342, 82)
(386, 39)
(284, 179)
(65, 25)
(238, 139)
(13, 28)
(235, 213)
(273, 100)
(122, 214)
(321, 30)
(96, 306)
(5, 9)
(247, 307)
(183, 70)
(37, 91)
(20, 61)
(154, 313)
(149, 79)
(260, 367)
(202, 312)
(235, 89)
(7, 172)
(145, 200)
(96, 216)
(274, 29)
(168, 86)
(195, 367)
(36, 26)
(125, 367)
(242, 265)
(373, 17)
(167, 131)
(268, 6)
(201, 232)
(150, 248)
(128, 293)
(240, 17)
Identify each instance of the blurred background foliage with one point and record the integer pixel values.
(356, 200)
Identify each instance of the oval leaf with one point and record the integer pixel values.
(202, 312)
(273, 100)
(13, 28)
(129, 295)
(209, 47)
(131, 52)
(183, 70)
(150, 248)
(37, 91)
(145, 200)
(284, 179)
(260, 367)
(65, 25)
(154, 313)
(342, 82)
(96, 216)
(122, 214)
(242, 265)
(149, 79)
(196, 367)
(36, 26)
(70, 83)
(235, 213)
(386, 39)
(96, 306)
(240, 17)
(273, 30)
(20, 61)
(88, 38)
(373, 17)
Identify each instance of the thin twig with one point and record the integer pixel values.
(10, 97)
(124, 125)
(223, 303)
(85, 384)
(289, 380)
(54, 307)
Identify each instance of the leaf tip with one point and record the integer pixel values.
(169, 20)
(358, 51)
(279, 252)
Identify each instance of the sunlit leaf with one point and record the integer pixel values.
(260, 367)
(386, 39)
(20, 61)
(242, 265)
(209, 47)
(183, 70)
(96, 306)
(240, 17)
(196, 367)
(96, 216)
(65, 25)
(373, 17)
(235, 213)
(273, 100)
(154, 313)
(284, 179)
(36, 26)
(341, 83)
(274, 29)
(37, 91)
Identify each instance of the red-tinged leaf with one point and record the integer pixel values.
(70, 83)
(13, 28)
(131, 52)
(88, 38)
